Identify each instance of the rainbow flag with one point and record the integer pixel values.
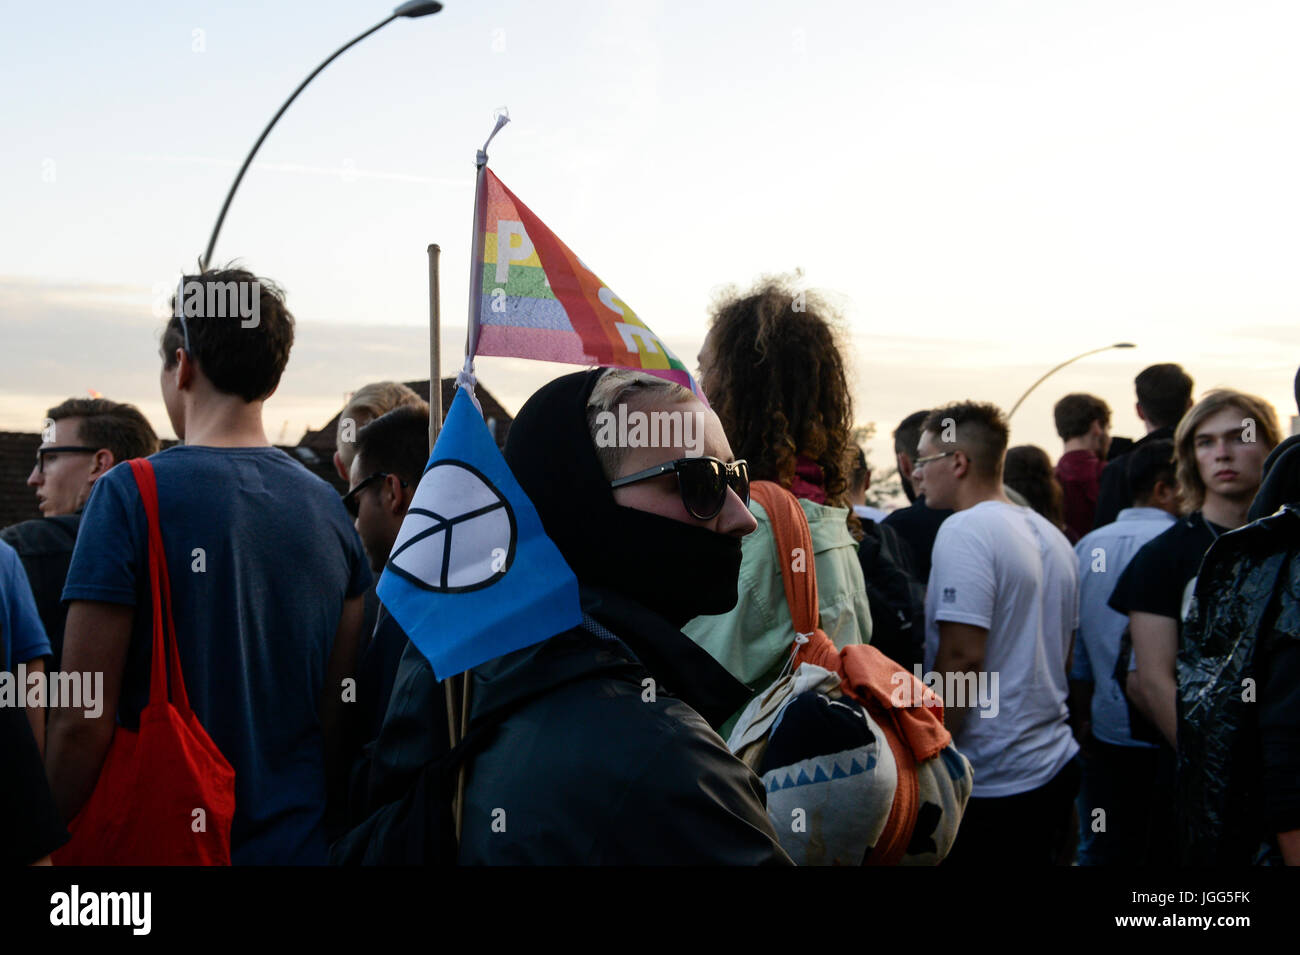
(538, 300)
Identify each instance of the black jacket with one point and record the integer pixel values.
(45, 547)
(1281, 479)
(897, 598)
(1239, 752)
(606, 756)
(1114, 493)
(917, 526)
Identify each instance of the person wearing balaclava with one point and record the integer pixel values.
(607, 755)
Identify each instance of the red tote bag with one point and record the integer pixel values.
(165, 795)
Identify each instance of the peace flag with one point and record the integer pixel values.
(472, 575)
(536, 299)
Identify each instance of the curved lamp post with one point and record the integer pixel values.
(412, 9)
(1059, 367)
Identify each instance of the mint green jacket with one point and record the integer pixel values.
(755, 639)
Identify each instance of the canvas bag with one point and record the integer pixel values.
(143, 808)
(897, 794)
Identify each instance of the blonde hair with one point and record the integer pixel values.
(1191, 489)
(368, 403)
(618, 386)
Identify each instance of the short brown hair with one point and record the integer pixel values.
(908, 433)
(981, 432)
(368, 403)
(397, 442)
(1163, 391)
(239, 359)
(1191, 489)
(120, 428)
(1075, 414)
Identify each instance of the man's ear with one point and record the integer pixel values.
(338, 466)
(184, 369)
(1138, 408)
(1164, 495)
(962, 463)
(101, 463)
(396, 498)
(904, 465)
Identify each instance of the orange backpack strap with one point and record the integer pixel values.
(794, 547)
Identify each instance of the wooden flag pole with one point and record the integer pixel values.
(459, 806)
(435, 425)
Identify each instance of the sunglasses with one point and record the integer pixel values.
(702, 482)
(60, 449)
(350, 498)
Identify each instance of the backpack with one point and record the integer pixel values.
(850, 747)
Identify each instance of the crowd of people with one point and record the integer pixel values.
(1070, 601)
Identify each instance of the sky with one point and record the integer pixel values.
(981, 188)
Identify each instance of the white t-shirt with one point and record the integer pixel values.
(1007, 569)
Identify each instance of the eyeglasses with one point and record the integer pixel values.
(60, 449)
(922, 462)
(180, 314)
(350, 498)
(702, 483)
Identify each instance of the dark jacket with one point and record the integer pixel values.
(1239, 748)
(917, 526)
(897, 598)
(606, 754)
(1281, 479)
(416, 733)
(45, 547)
(1115, 494)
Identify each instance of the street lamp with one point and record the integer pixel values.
(1059, 367)
(411, 9)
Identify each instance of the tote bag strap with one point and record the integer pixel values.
(166, 657)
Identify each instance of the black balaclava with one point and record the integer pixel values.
(678, 570)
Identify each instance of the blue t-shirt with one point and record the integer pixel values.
(261, 556)
(22, 635)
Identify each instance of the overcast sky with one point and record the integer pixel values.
(984, 188)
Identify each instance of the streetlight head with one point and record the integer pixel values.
(417, 8)
(1123, 345)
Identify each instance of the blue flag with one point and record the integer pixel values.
(472, 575)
